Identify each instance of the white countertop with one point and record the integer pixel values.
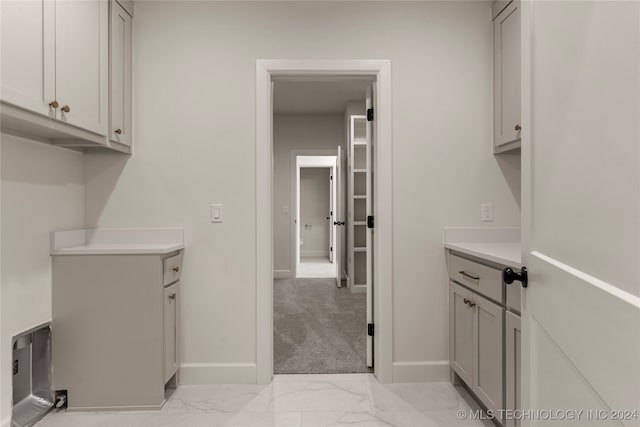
(121, 249)
(138, 241)
(499, 245)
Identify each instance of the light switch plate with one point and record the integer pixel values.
(487, 212)
(216, 213)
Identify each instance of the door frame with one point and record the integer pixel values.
(307, 161)
(266, 71)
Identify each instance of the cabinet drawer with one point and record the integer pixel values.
(482, 279)
(172, 269)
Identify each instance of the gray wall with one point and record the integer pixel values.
(194, 136)
(296, 132)
(42, 190)
(314, 210)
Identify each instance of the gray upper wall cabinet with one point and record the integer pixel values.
(120, 27)
(506, 77)
(55, 73)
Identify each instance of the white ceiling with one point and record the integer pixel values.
(319, 97)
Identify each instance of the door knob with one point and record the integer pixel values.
(54, 104)
(66, 109)
(172, 296)
(118, 131)
(509, 276)
(518, 128)
(176, 269)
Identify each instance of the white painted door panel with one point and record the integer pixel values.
(369, 208)
(171, 314)
(512, 364)
(581, 207)
(461, 331)
(81, 62)
(338, 217)
(27, 46)
(488, 352)
(506, 68)
(120, 75)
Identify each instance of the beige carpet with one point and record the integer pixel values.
(318, 328)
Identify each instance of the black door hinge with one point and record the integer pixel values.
(370, 221)
(370, 114)
(370, 329)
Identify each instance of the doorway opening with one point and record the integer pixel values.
(320, 312)
(273, 212)
(317, 206)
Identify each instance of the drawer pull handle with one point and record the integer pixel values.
(172, 296)
(469, 303)
(176, 269)
(470, 276)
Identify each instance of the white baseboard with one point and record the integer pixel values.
(218, 373)
(282, 274)
(419, 372)
(356, 289)
(316, 253)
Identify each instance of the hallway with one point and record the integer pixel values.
(318, 328)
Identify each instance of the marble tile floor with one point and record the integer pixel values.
(294, 400)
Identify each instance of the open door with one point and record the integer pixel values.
(331, 216)
(581, 211)
(338, 223)
(370, 223)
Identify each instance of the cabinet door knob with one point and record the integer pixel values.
(118, 131)
(66, 109)
(176, 269)
(172, 296)
(518, 128)
(54, 104)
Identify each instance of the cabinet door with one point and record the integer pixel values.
(506, 69)
(488, 352)
(120, 75)
(512, 365)
(27, 61)
(82, 63)
(461, 332)
(171, 315)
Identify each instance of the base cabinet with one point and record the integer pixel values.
(476, 346)
(115, 329)
(513, 332)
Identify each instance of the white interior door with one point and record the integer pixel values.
(581, 210)
(338, 225)
(369, 208)
(331, 216)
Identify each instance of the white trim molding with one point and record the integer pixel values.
(423, 371)
(283, 274)
(217, 373)
(266, 72)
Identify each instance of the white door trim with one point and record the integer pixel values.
(266, 70)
